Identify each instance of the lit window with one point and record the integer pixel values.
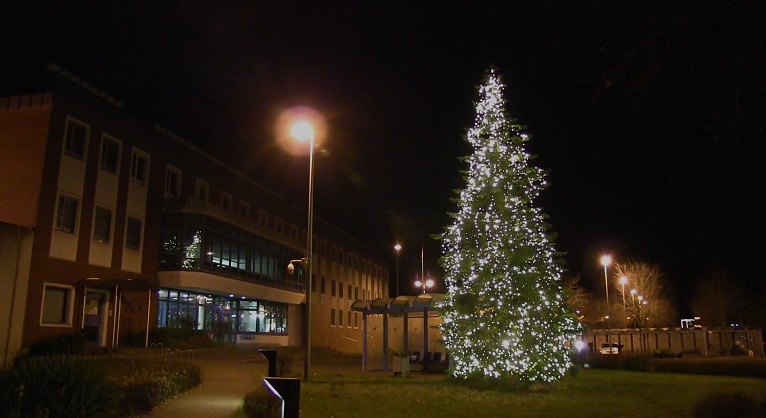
(57, 305)
(66, 215)
(133, 233)
(110, 154)
(75, 139)
(102, 228)
(139, 164)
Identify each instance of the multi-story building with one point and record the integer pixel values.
(111, 227)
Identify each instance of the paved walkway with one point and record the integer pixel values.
(226, 379)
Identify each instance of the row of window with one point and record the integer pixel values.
(76, 136)
(341, 314)
(336, 289)
(66, 222)
(202, 192)
(219, 315)
(75, 145)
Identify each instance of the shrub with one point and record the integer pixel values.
(262, 404)
(181, 338)
(55, 386)
(722, 366)
(147, 386)
(284, 364)
(67, 344)
(723, 405)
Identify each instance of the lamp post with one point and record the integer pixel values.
(424, 284)
(398, 249)
(633, 297)
(302, 130)
(605, 261)
(640, 333)
(623, 282)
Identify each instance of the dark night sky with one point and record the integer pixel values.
(650, 120)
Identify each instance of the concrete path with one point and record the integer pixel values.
(226, 379)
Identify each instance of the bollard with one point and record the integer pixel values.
(271, 356)
(289, 390)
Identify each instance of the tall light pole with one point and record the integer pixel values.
(623, 282)
(398, 249)
(640, 333)
(302, 130)
(605, 261)
(633, 293)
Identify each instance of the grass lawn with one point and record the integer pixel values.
(592, 393)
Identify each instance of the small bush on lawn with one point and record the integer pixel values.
(724, 405)
(55, 386)
(262, 404)
(150, 385)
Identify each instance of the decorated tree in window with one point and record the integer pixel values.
(505, 317)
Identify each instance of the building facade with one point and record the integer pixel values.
(112, 227)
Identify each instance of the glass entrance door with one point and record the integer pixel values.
(93, 319)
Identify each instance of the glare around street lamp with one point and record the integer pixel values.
(606, 260)
(302, 130)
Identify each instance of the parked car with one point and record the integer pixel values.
(610, 348)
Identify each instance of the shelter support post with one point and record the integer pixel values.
(426, 360)
(385, 341)
(364, 341)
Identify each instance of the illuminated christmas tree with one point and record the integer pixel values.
(505, 317)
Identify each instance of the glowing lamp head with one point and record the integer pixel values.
(633, 292)
(624, 280)
(397, 247)
(429, 283)
(302, 130)
(579, 345)
(640, 298)
(418, 283)
(606, 260)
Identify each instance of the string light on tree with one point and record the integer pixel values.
(504, 316)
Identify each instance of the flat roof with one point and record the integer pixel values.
(419, 303)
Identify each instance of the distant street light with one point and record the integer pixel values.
(398, 249)
(623, 282)
(605, 261)
(424, 284)
(640, 333)
(633, 296)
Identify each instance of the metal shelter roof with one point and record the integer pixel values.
(419, 303)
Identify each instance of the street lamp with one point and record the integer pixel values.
(623, 282)
(398, 249)
(640, 333)
(633, 297)
(424, 284)
(605, 261)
